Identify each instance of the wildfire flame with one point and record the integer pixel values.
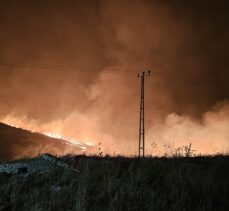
(69, 141)
(82, 145)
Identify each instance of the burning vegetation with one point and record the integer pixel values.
(19, 143)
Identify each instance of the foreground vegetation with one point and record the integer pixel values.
(106, 183)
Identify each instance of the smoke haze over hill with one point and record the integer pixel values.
(70, 67)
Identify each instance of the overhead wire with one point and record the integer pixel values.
(24, 66)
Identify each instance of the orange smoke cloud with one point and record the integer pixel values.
(208, 136)
(70, 69)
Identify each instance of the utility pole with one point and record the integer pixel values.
(141, 147)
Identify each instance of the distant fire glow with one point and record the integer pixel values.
(81, 145)
(207, 137)
(69, 141)
(70, 70)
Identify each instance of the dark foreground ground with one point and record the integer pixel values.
(200, 183)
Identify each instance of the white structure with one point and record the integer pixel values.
(37, 165)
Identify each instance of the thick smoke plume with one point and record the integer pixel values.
(70, 67)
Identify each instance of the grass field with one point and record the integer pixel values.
(119, 183)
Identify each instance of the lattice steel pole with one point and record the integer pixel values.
(141, 147)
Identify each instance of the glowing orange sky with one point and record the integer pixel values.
(70, 68)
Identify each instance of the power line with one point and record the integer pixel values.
(57, 67)
(64, 68)
(48, 66)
